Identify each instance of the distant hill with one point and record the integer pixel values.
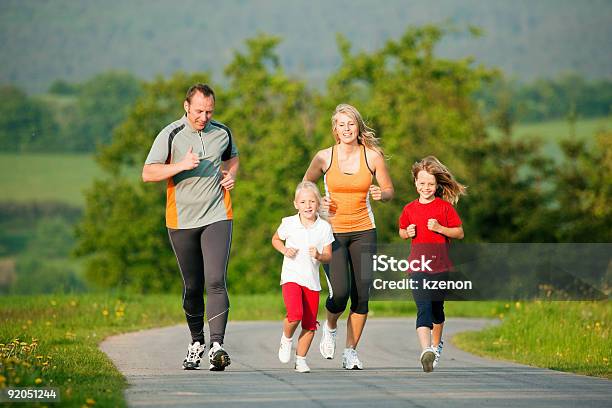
(41, 41)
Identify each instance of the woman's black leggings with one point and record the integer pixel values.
(202, 254)
(349, 272)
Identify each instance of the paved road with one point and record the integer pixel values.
(392, 377)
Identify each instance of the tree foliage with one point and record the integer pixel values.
(584, 183)
(548, 99)
(418, 103)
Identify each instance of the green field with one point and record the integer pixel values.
(551, 132)
(47, 177)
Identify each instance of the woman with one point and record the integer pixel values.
(348, 168)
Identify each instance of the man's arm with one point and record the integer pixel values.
(161, 171)
(229, 169)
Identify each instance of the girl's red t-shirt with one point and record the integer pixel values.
(428, 243)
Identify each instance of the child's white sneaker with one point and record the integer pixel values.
(327, 346)
(438, 351)
(427, 358)
(284, 351)
(300, 365)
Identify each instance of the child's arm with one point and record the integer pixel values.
(279, 245)
(454, 232)
(409, 232)
(324, 256)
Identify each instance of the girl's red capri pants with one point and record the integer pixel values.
(302, 304)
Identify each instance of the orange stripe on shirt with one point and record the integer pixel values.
(171, 212)
(227, 200)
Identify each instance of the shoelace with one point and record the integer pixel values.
(352, 357)
(330, 339)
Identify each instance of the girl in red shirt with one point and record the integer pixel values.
(431, 221)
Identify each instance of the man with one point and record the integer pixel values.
(199, 159)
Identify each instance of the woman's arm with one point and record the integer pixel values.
(317, 166)
(382, 177)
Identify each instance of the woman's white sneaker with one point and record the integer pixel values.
(327, 346)
(284, 351)
(300, 365)
(350, 360)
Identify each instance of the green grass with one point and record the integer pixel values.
(66, 331)
(564, 336)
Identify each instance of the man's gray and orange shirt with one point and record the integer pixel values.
(195, 197)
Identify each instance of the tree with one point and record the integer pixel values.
(584, 190)
(26, 124)
(271, 117)
(418, 103)
(123, 230)
(102, 103)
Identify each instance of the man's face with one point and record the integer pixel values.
(200, 110)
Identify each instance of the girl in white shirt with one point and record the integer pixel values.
(307, 242)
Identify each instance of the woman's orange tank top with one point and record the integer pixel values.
(350, 208)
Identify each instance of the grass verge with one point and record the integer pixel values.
(564, 336)
(52, 340)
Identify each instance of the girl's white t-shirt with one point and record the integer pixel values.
(303, 269)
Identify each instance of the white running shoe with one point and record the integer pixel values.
(300, 365)
(195, 352)
(427, 358)
(327, 346)
(438, 351)
(350, 360)
(284, 351)
(218, 357)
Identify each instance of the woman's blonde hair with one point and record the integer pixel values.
(366, 136)
(447, 187)
(309, 185)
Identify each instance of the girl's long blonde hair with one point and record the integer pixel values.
(366, 137)
(447, 188)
